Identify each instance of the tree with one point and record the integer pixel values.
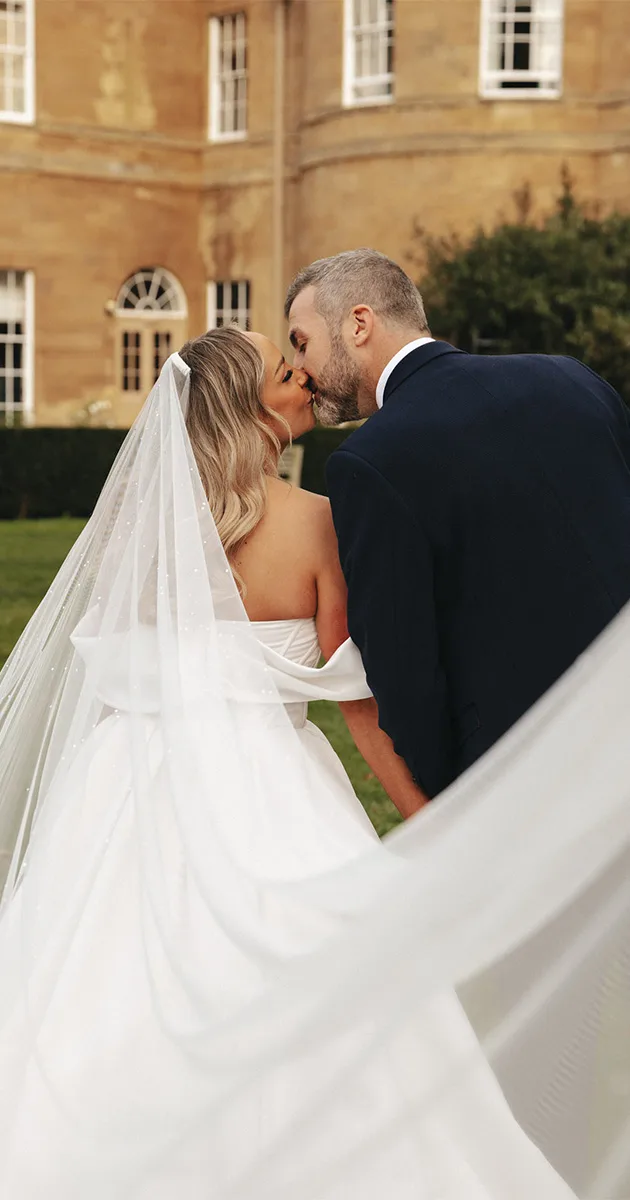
(562, 287)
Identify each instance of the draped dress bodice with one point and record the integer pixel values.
(128, 678)
(297, 642)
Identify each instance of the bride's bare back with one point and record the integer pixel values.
(290, 564)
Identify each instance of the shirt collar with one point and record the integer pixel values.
(393, 362)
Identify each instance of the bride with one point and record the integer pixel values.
(245, 405)
(215, 980)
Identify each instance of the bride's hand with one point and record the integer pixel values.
(361, 717)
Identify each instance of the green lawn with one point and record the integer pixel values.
(30, 554)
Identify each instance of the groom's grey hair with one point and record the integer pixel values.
(361, 277)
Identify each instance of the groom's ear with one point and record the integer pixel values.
(362, 318)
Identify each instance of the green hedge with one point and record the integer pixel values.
(318, 447)
(60, 472)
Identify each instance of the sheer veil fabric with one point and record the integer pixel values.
(183, 1014)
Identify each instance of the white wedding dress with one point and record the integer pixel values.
(216, 983)
(102, 1035)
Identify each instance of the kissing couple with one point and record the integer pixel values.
(216, 981)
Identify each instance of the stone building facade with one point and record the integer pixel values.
(167, 164)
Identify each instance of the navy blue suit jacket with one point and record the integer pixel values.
(483, 518)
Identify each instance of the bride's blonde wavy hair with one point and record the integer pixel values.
(234, 445)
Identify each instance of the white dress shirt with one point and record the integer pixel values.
(393, 362)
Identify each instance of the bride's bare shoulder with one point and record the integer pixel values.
(297, 501)
(305, 513)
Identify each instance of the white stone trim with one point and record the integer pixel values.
(28, 380)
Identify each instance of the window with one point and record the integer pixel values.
(131, 375)
(229, 303)
(368, 52)
(16, 347)
(17, 82)
(152, 311)
(228, 77)
(162, 347)
(521, 48)
(152, 290)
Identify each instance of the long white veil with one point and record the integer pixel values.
(141, 724)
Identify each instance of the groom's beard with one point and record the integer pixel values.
(338, 387)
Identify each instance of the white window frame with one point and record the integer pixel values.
(154, 292)
(14, 55)
(546, 41)
(367, 20)
(221, 80)
(26, 408)
(220, 314)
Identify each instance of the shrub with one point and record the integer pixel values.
(559, 288)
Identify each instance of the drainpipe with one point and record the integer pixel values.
(277, 328)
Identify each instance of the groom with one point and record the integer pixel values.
(483, 513)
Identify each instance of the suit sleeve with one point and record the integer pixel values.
(388, 567)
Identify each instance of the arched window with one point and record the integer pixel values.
(152, 290)
(152, 311)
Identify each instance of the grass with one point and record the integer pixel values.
(31, 553)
